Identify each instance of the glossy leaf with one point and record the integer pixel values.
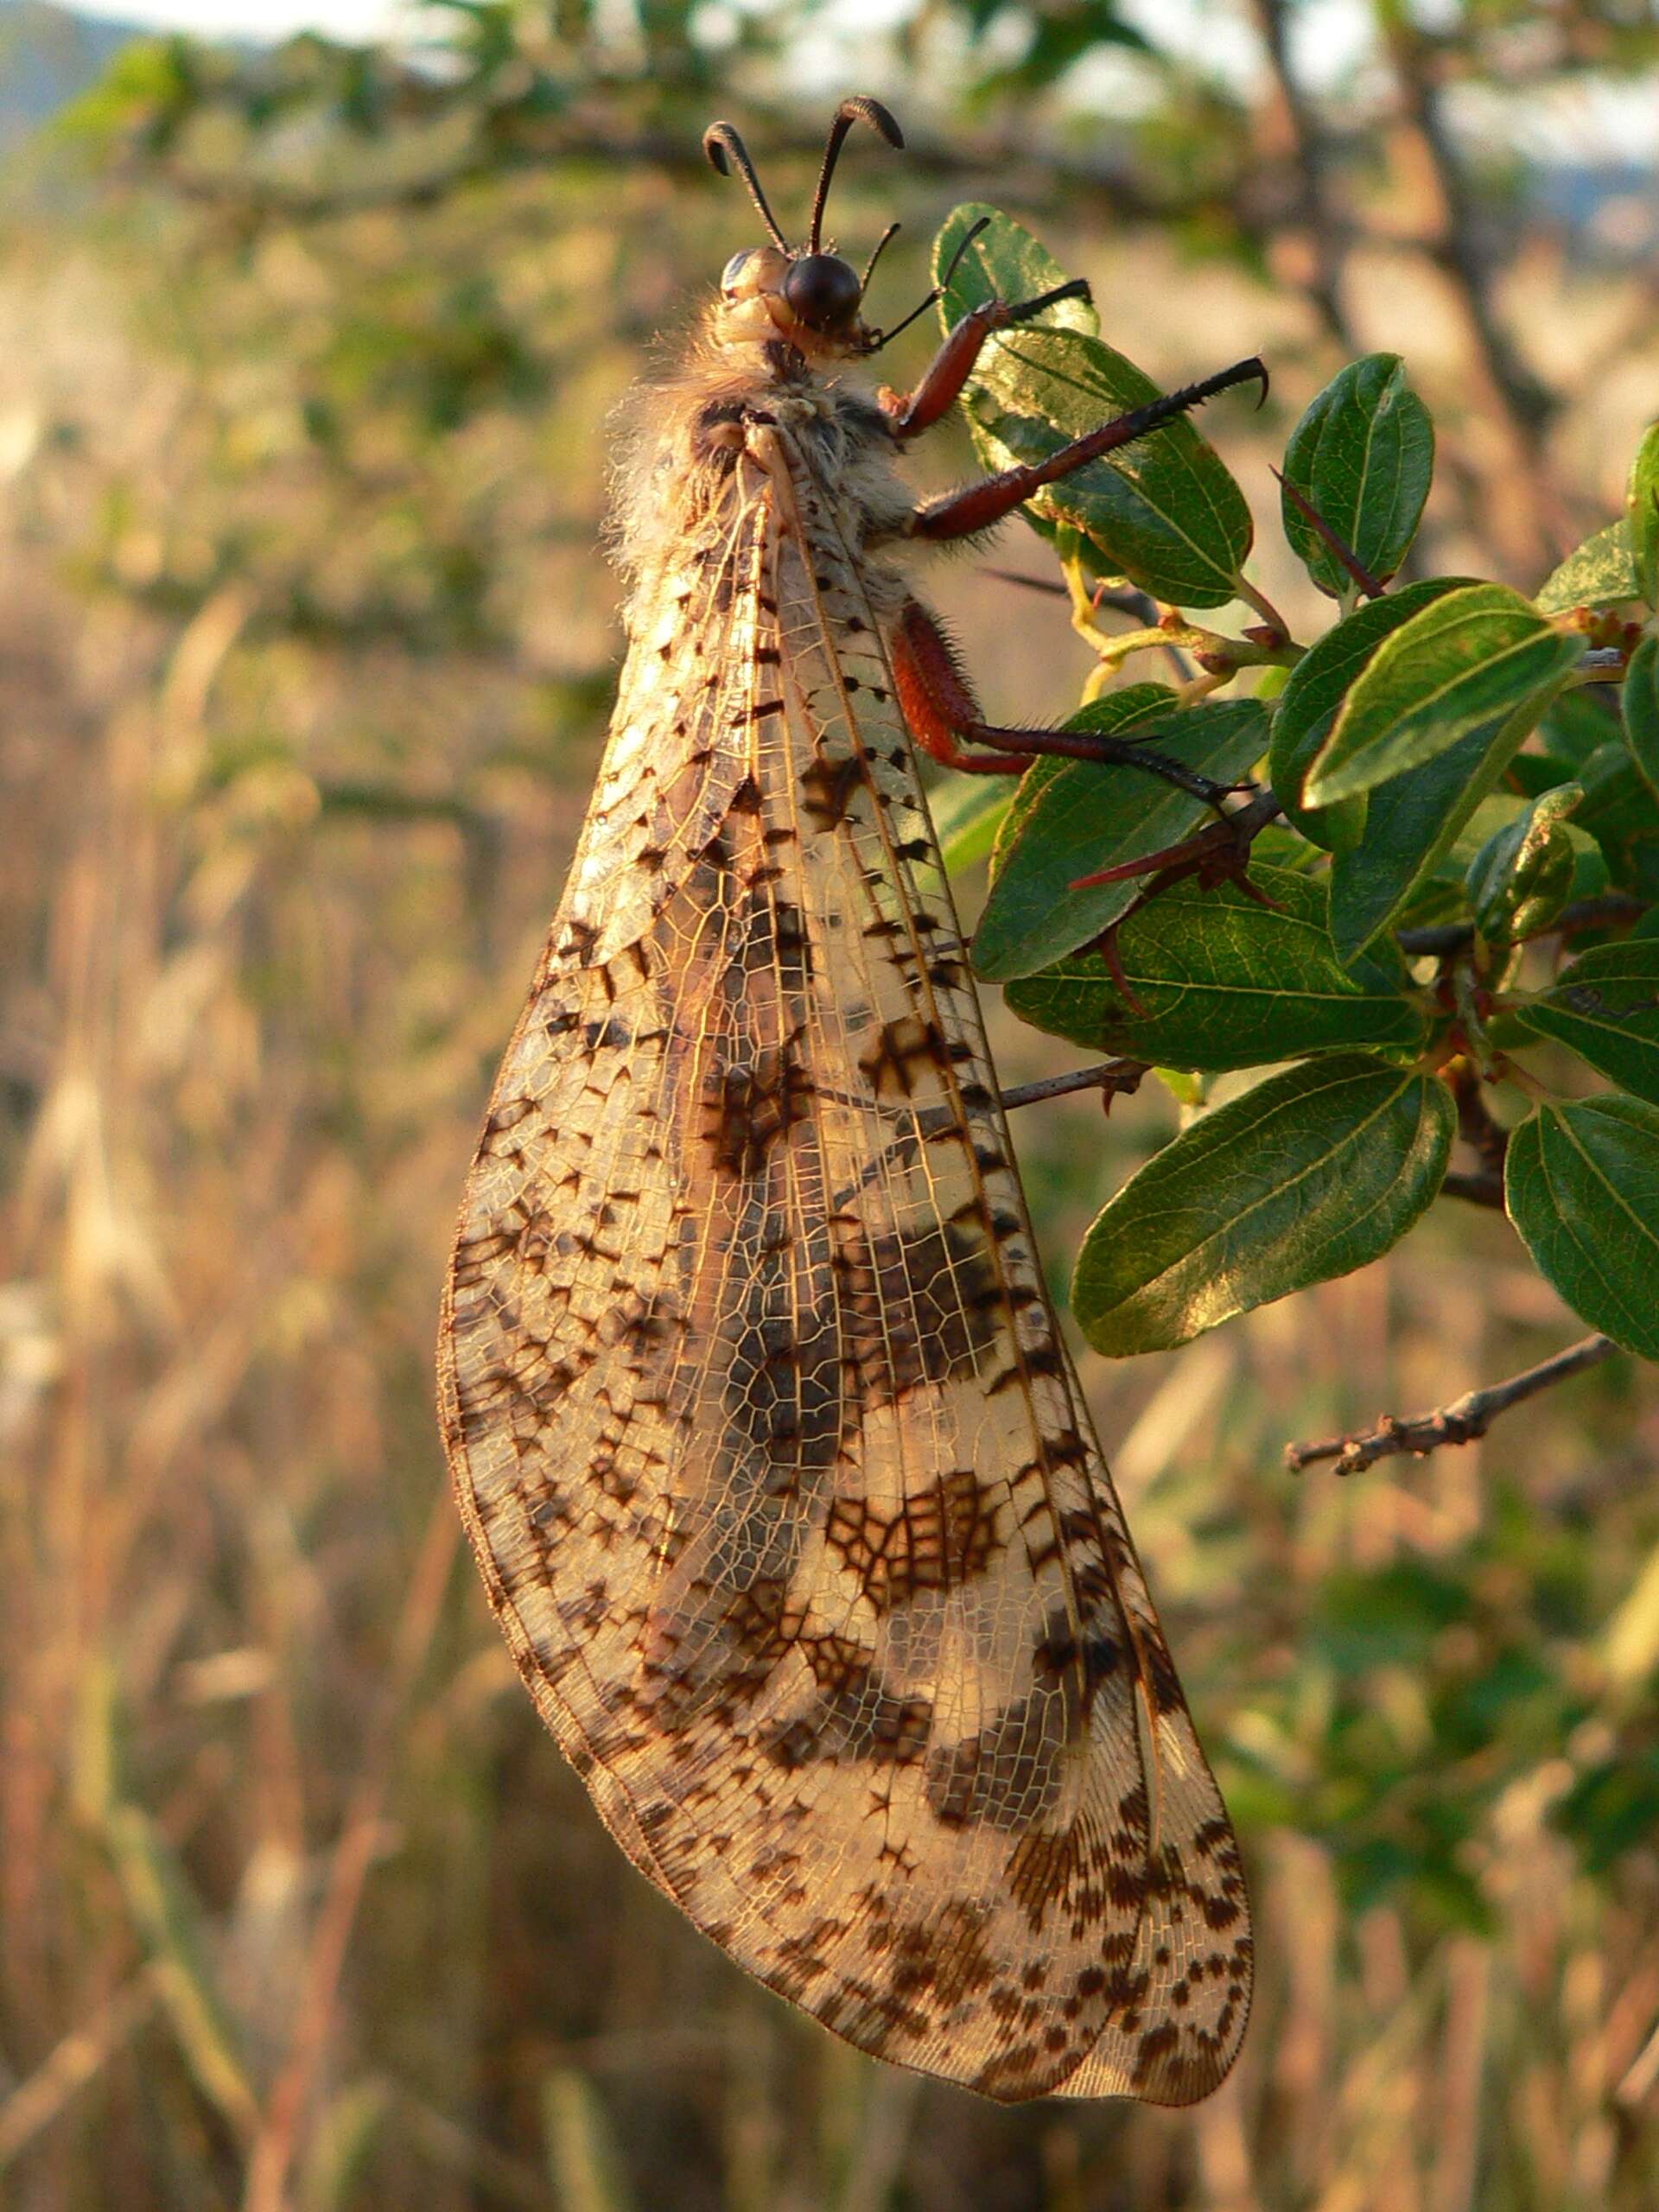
(1469, 662)
(1363, 457)
(1411, 825)
(1621, 814)
(1640, 701)
(1166, 511)
(1582, 1183)
(1312, 698)
(1087, 816)
(1314, 1173)
(1600, 573)
(1642, 513)
(1004, 262)
(1605, 1009)
(1114, 715)
(1221, 981)
(1523, 875)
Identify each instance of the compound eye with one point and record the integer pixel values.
(823, 291)
(732, 275)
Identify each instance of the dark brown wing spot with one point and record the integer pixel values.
(748, 1106)
(900, 1052)
(827, 789)
(1007, 1775)
(856, 1715)
(934, 1542)
(914, 1308)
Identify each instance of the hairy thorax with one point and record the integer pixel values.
(739, 419)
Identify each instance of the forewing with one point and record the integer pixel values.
(776, 1466)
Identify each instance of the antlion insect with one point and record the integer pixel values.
(781, 1482)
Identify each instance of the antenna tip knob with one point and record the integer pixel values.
(859, 107)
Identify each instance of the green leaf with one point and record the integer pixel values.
(1004, 262)
(1472, 661)
(967, 812)
(1601, 573)
(1582, 1183)
(1311, 1174)
(1363, 457)
(1642, 513)
(1312, 697)
(1605, 1009)
(1087, 816)
(1113, 715)
(1165, 512)
(1223, 983)
(1411, 825)
(1640, 701)
(1523, 875)
(1621, 814)
(1578, 723)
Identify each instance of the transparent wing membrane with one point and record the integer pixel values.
(776, 1468)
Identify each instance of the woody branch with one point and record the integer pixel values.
(1460, 1423)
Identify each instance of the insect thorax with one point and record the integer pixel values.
(692, 453)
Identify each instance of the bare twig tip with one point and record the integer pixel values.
(1461, 1422)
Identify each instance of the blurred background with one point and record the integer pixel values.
(305, 650)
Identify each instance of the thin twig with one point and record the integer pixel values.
(1252, 595)
(1486, 1138)
(1116, 1079)
(1606, 910)
(1137, 604)
(1460, 1423)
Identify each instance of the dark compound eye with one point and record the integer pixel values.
(823, 291)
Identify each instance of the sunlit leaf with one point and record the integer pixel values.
(1165, 511)
(1582, 1183)
(1600, 573)
(1470, 662)
(1642, 513)
(1640, 702)
(1312, 698)
(1362, 458)
(1086, 816)
(1313, 1173)
(1219, 980)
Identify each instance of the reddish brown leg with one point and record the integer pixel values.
(944, 717)
(951, 366)
(959, 514)
(938, 708)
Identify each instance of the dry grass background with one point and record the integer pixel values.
(299, 1907)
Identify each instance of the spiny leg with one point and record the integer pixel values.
(944, 717)
(951, 366)
(961, 514)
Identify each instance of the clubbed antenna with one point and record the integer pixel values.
(858, 109)
(725, 150)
